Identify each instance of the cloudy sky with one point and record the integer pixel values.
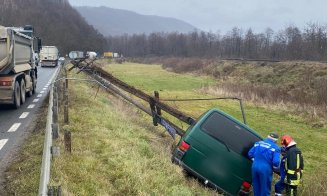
(223, 15)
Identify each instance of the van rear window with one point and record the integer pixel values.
(237, 138)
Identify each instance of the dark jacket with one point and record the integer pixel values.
(294, 165)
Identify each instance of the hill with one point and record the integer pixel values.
(116, 22)
(55, 21)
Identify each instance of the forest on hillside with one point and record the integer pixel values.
(55, 22)
(291, 43)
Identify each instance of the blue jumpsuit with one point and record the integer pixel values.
(280, 185)
(266, 155)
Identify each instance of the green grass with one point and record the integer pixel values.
(264, 120)
(117, 151)
(153, 77)
(114, 152)
(261, 119)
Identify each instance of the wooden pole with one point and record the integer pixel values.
(68, 141)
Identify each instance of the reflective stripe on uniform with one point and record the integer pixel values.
(290, 171)
(294, 182)
(265, 145)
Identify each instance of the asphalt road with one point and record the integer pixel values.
(15, 122)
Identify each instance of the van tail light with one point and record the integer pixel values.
(246, 186)
(184, 146)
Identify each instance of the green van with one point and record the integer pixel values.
(215, 149)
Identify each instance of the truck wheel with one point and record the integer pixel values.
(34, 84)
(17, 95)
(30, 92)
(22, 92)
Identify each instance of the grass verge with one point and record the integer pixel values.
(23, 176)
(114, 152)
(264, 119)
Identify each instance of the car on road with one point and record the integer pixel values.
(215, 149)
(61, 60)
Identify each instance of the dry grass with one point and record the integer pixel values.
(116, 152)
(300, 85)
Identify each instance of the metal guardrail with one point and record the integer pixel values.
(46, 158)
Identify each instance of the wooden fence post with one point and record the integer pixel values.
(156, 95)
(68, 141)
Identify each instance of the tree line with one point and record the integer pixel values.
(290, 43)
(56, 22)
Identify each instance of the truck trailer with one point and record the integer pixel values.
(19, 50)
(49, 56)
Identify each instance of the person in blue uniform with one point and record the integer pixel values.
(266, 157)
(280, 185)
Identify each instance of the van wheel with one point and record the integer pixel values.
(17, 95)
(22, 92)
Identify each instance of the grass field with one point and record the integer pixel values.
(310, 140)
(117, 151)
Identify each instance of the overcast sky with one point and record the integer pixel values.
(223, 15)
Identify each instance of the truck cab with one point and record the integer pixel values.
(215, 149)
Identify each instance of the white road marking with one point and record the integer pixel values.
(24, 115)
(44, 89)
(31, 106)
(41, 92)
(35, 100)
(39, 95)
(14, 127)
(3, 142)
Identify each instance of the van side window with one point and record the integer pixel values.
(237, 138)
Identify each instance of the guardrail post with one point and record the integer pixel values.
(66, 116)
(55, 108)
(55, 130)
(55, 151)
(68, 141)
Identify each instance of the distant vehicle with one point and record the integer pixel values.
(19, 50)
(76, 55)
(91, 55)
(116, 55)
(215, 150)
(49, 56)
(61, 60)
(108, 55)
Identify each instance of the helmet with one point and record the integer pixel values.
(286, 140)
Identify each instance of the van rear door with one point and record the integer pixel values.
(218, 150)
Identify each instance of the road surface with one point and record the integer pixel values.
(14, 123)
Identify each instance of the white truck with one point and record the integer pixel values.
(18, 64)
(49, 56)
